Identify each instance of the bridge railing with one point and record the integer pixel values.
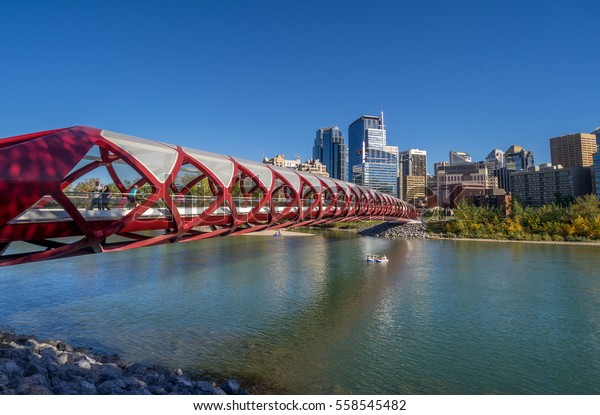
(89, 203)
(117, 205)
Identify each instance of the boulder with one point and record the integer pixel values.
(231, 386)
(111, 387)
(33, 385)
(87, 388)
(83, 364)
(4, 380)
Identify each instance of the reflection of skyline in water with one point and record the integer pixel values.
(310, 315)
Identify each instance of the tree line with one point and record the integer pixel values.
(578, 220)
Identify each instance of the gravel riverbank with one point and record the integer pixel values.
(32, 367)
(412, 230)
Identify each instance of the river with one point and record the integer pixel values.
(308, 315)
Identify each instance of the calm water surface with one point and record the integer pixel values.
(309, 315)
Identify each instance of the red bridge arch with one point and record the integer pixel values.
(185, 195)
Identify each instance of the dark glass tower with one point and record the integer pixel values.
(330, 149)
(370, 161)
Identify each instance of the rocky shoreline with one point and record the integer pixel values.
(410, 230)
(32, 367)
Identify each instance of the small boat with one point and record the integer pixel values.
(376, 258)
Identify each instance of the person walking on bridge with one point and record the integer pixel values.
(131, 198)
(105, 196)
(97, 192)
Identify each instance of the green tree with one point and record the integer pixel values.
(587, 207)
(86, 185)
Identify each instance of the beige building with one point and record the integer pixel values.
(280, 161)
(573, 150)
(415, 189)
(314, 167)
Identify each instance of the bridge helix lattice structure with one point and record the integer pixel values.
(46, 210)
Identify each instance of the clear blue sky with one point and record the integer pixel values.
(252, 78)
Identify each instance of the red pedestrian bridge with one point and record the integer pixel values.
(46, 192)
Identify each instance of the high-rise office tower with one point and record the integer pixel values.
(495, 158)
(371, 162)
(516, 158)
(573, 150)
(596, 132)
(412, 177)
(596, 175)
(330, 150)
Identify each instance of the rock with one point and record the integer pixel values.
(35, 368)
(10, 368)
(157, 390)
(88, 388)
(4, 380)
(132, 382)
(32, 344)
(231, 387)
(63, 347)
(154, 379)
(136, 368)
(83, 364)
(33, 385)
(62, 359)
(110, 387)
(113, 358)
(219, 391)
(66, 388)
(395, 230)
(48, 352)
(204, 387)
(31, 367)
(109, 371)
(8, 353)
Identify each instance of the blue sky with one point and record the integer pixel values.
(253, 78)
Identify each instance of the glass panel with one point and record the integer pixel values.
(44, 210)
(313, 180)
(157, 157)
(264, 174)
(127, 175)
(219, 165)
(186, 175)
(290, 176)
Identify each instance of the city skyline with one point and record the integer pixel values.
(464, 76)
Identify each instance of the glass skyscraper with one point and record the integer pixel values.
(330, 150)
(371, 162)
(596, 174)
(516, 158)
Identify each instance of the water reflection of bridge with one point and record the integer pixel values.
(185, 195)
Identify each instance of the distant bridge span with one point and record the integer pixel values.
(185, 195)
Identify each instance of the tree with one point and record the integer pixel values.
(587, 207)
(86, 185)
